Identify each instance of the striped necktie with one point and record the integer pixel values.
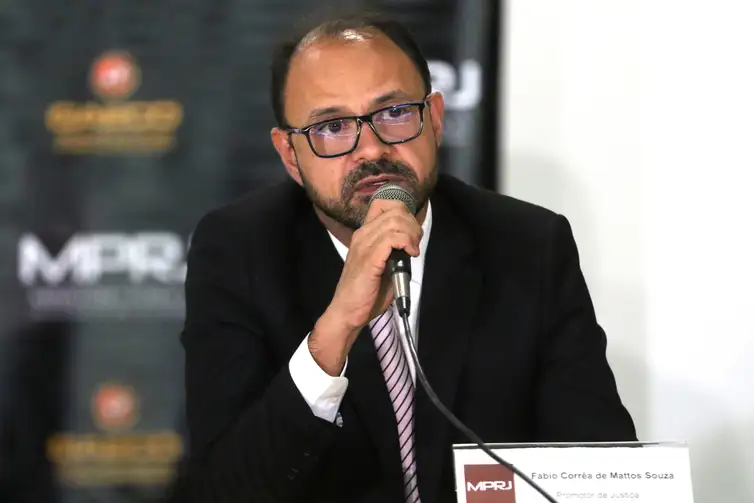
(401, 389)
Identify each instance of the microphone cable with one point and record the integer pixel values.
(454, 420)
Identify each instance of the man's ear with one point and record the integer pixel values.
(436, 113)
(283, 144)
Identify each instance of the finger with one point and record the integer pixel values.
(394, 240)
(379, 206)
(375, 256)
(371, 235)
(393, 219)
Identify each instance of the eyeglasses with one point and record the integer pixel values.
(392, 125)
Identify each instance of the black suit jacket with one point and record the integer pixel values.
(508, 340)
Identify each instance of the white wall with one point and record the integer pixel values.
(635, 119)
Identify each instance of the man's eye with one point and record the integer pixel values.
(396, 114)
(334, 127)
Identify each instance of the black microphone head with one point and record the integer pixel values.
(395, 192)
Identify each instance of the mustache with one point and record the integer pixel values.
(376, 168)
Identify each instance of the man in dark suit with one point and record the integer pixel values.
(298, 384)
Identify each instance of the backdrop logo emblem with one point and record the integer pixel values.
(112, 124)
(489, 484)
(115, 407)
(114, 76)
(115, 455)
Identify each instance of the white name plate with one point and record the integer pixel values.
(642, 472)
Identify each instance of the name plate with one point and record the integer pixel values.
(643, 472)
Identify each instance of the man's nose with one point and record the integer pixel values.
(370, 146)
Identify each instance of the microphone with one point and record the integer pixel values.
(399, 267)
(399, 263)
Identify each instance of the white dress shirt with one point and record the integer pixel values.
(323, 392)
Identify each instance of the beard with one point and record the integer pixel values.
(349, 210)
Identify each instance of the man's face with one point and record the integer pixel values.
(350, 76)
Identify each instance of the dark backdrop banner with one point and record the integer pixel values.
(121, 123)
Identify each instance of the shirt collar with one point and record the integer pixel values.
(417, 263)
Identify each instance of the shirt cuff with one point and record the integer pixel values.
(321, 391)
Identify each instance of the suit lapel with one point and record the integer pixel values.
(367, 397)
(450, 291)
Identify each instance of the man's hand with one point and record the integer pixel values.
(364, 290)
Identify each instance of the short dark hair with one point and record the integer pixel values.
(332, 26)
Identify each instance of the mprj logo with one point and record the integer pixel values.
(93, 258)
(489, 484)
(461, 88)
(104, 274)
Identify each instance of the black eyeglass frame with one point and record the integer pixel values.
(360, 119)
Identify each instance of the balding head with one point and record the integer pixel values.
(346, 28)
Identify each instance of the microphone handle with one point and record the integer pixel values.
(399, 268)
